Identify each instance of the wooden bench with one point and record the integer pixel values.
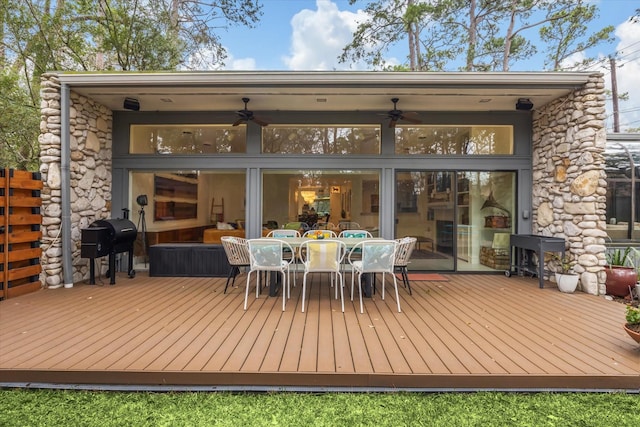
(188, 260)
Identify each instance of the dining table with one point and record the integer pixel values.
(296, 242)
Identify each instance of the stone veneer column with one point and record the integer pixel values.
(90, 167)
(569, 182)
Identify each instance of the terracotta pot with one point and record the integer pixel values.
(633, 334)
(619, 279)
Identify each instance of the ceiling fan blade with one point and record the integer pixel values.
(393, 122)
(260, 122)
(408, 118)
(239, 121)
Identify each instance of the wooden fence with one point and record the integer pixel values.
(20, 233)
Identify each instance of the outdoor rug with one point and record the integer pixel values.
(432, 277)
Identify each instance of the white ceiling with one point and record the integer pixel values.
(319, 91)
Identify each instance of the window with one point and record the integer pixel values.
(180, 199)
(187, 139)
(454, 140)
(321, 139)
(321, 198)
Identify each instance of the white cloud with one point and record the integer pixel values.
(318, 37)
(242, 64)
(628, 75)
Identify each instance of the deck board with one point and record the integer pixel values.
(472, 331)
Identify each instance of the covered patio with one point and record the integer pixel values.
(463, 332)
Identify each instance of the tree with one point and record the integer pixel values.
(392, 21)
(568, 35)
(19, 125)
(91, 35)
(485, 35)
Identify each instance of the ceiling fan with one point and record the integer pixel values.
(245, 115)
(395, 115)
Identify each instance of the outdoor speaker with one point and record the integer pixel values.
(524, 104)
(131, 104)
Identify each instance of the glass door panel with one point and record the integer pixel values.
(425, 209)
(462, 220)
(485, 202)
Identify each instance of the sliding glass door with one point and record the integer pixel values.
(462, 219)
(425, 209)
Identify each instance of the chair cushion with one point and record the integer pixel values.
(378, 255)
(276, 234)
(267, 255)
(323, 256)
(355, 234)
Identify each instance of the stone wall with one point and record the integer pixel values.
(90, 174)
(569, 182)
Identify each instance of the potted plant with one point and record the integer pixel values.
(633, 323)
(620, 271)
(566, 278)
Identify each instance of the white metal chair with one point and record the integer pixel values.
(404, 250)
(237, 251)
(355, 233)
(326, 234)
(323, 256)
(378, 256)
(267, 255)
(282, 233)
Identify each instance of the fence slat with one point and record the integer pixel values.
(24, 254)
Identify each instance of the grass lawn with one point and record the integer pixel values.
(83, 408)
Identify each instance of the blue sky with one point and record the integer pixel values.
(310, 34)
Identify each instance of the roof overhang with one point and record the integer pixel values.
(324, 91)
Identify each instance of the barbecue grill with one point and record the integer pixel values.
(108, 237)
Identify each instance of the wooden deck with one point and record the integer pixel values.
(472, 332)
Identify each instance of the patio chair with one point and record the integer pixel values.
(237, 251)
(378, 256)
(284, 233)
(267, 255)
(323, 256)
(405, 248)
(355, 233)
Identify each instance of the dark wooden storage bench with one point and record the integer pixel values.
(188, 260)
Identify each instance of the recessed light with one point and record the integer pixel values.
(321, 99)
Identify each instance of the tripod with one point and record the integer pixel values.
(143, 221)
